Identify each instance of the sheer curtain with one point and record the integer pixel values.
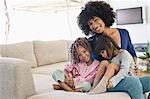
(4, 21)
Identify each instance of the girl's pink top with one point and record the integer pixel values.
(86, 73)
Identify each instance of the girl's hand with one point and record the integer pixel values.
(134, 69)
(75, 72)
(109, 85)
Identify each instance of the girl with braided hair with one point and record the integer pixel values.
(80, 73)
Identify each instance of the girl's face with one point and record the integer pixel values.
(105, 54)
(96, 24)
(84, 54)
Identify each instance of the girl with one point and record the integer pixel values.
(120, 62)
(80, 74)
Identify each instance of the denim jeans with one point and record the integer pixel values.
(134, 86)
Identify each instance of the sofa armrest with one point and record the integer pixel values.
(16, 81)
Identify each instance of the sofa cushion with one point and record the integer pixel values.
(69, 43)
(16, 81)
(23, 50)
(44, 89)
(78, 95)
(48, 52)
(43, 83)
(48, 69)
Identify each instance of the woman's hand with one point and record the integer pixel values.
(109, 85)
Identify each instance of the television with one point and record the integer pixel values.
(129, 16)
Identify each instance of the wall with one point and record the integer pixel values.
(52, 25)
(27, 26)
(138, 32)
(2, 22)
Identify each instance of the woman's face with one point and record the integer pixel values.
(96, 24)
(105, 54)
(84, 54)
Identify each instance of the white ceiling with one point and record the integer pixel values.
(46, 5)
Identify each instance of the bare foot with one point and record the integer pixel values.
(57, 87)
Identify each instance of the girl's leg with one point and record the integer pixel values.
(101, 70)
(145, 80)
(110, 71)
(132, 86)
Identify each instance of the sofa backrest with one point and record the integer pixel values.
(38, 53)
(22, 50)
(48, 52)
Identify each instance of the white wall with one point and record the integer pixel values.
(138, 32)
(2, 22)
(26, 26)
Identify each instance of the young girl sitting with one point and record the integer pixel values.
(111, 74)
(80, 73)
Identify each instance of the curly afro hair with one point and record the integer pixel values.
(82, 41)
(95, 9)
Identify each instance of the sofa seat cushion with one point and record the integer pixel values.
(23, 50)
(48, 52)
(48, 69)
(43, 84)
(78, 95)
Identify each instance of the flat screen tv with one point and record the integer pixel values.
(129, 16)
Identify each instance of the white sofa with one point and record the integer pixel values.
(26, 67)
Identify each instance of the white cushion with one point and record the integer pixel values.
(79, 95)
(16, 80)
(43, 84)
(23, 50)
(48, 52)
(48, 69)
(69, 43)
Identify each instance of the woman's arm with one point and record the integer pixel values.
(130, 47)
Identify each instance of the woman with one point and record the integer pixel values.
(97, 18)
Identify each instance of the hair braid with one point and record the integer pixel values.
(73, 50)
